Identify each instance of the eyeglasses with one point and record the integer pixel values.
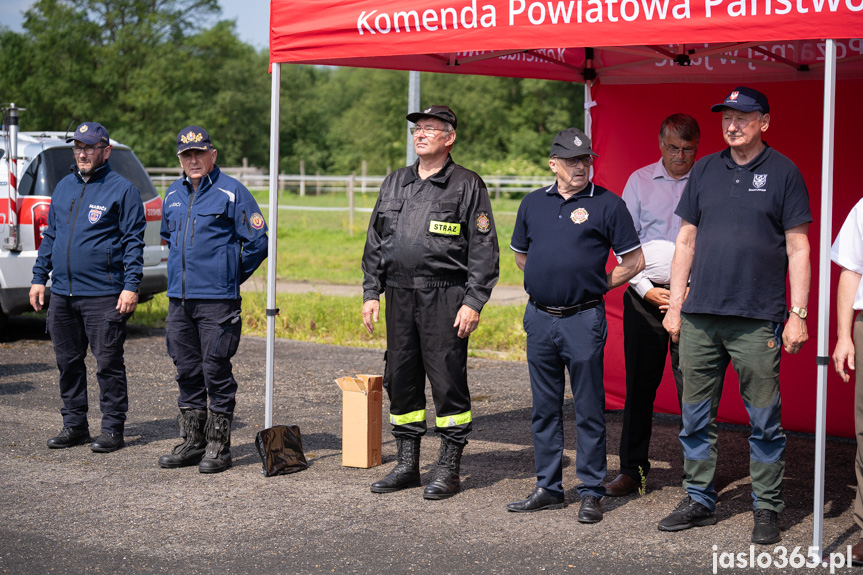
(674, 150)
(572, 162)
(88, 150)
(427, 130)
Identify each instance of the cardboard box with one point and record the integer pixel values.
(362, 403)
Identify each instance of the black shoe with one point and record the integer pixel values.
(689, 513)
(217, 455)
(766, 529)
(70, 437)
(540, 499)
(446, 481)
(191, 450)
(108, 442)
(591, 510)
(406, 473)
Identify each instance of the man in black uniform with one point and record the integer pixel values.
(432, 249)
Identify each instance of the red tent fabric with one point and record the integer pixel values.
(621, 48)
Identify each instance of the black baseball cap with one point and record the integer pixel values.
(90, 133)
(745, 100)
(571, 143)
(439, 112)
(193, 138)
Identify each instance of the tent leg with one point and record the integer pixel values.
(824, 299)
(275, 96)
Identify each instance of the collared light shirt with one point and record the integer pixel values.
(651, 195)
(847, 250)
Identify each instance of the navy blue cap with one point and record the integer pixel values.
(439, 112)
(193, 138)
(90, 133)
(571, 143)
(745, 100)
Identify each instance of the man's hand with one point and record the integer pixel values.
(658, 297)
(371, 310)
(127, 302)
(795, 334)
(843, 353)
(37, 296)
(466, 321)
(671, 323)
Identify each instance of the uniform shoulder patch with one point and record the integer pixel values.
(257, 221)
(483, 222)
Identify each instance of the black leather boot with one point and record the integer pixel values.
(446, 480)
(406, 473)
(217, 455)
(191, 450)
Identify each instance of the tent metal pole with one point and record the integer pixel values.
(824, 299)
(272, 311)
(413, 106)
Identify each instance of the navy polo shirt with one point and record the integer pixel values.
(568, 241)
(742, 213)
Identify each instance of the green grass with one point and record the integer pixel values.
(336, 320)
(322, 247)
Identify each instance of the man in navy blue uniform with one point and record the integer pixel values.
(744, 222)
(93, 250)
(562, 237)
(217, 238)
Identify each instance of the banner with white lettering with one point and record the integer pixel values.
(458, 32)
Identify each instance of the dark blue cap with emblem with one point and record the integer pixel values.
(90, 133)
(571, 143)
(744, 99)
(193, 138)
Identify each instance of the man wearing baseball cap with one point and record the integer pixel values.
(562, 238)
(431, 248)
(217, 238)
(93, 251)
(744, 222)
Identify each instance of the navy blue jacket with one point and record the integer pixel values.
(94, 243)
(216, 235)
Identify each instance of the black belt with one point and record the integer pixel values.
(566, 311)
(663, 286)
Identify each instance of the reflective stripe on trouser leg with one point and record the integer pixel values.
(454, 420)
(703, 360)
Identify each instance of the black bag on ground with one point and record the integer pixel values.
(281, 450)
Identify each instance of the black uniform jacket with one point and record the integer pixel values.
(430, 233)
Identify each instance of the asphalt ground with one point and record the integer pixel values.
(72, 511)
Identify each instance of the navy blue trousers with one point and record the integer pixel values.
(202, 336)
(74, 323)
(577, 344)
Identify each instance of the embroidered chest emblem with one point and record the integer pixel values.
(483, 223)
(759, 180)
(94, 215)
(579, 216)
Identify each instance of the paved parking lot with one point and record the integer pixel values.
(73, 511)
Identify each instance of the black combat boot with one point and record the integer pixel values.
(191, 450)
(446, 480)
(407, 472)
(217, 456)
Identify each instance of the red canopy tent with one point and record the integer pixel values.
(627, 52)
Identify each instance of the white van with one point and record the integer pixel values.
(43, 159)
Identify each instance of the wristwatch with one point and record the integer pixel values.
(800, 311)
